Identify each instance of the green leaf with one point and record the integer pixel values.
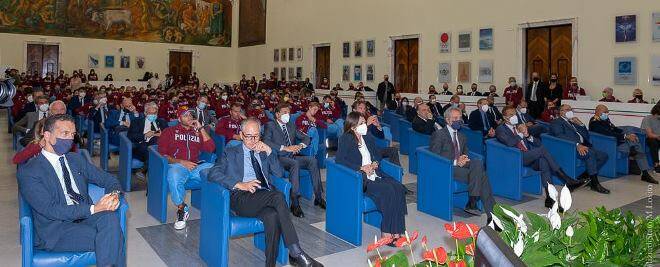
(540, 258)
(397, 259)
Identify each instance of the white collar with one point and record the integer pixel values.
(50, 156)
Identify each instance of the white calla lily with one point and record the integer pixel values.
(565, 198)
(510, 213)
(521, 223)
(552, 192)
(569, 231)
(555, 219)
(535, 236)
(519, 246)
(495, 222)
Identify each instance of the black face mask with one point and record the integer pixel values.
(553, 80)
(536, 79)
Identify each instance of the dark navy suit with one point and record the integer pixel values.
(136, 135)
(481, 121)
(113, 123)
(594, 159)
(535, 130)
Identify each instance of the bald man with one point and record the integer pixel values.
(627, 141)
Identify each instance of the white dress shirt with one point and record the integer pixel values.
(147, 128)
(534, 87)
(54, 161)
(366, 158)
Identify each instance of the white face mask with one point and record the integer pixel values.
(484, 108)
(224, 97)
(569, 114)
(513, 120)
(361, 129)
(43, 107)
(512, 84)
(284, 118)
(523, 110)
(30, 99)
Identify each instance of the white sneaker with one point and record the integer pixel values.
(181, 218)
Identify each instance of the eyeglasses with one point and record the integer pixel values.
(251, 137)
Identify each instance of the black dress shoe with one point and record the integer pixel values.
(657, 169)
(596, 186)
(646, 177)
(319, 202)
(297, 211)
(471, 208)
(572, 184)
(304, 260)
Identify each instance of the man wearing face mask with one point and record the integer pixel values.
(454, 101)
(493, 111)
(482, 120)
(534, 95)
(55, 182)
(451, 144)
(435, 106)
(385, 91)
(26, 123)
(119, 120)
(627, 141)
(445, 89)
(569, 127)
(515, 134)
(201, 112)
(77, 101)
(534, 128)
(30, 106)
(638, 97)
(424, 122)
(281, 135)
(608, 95)
(473, 90)
(145, 131)
(100, 110)
(573, 90)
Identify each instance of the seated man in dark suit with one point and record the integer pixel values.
(627, 142)
(119, 120)
(454, 101)
(373, 126)
(534, 155)
(100, 110)
(451, 144)
(493, 111)
(534, 128)
(145, 131)
(436, 107)
(281, 136)
(569, 127)
(54, 183)
(26, 123)
(245, 171)
(424, 122)
(201, 112)
(481, 120)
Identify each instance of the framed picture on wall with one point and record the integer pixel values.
(346, 73)
(486, 39)
(625, 70)
(283, 74)
(357, 72)
(125, 62)
(485, 71)
(93, 60)
(464, 41)
(444, 72)
(276, 55)
(655, 26)
(463, 71)
(655, 70)
(109, 61)
(346, 49)
(283, 54)
(299, 53)
(291, 53)
(292, 73)
(371, 48)
(445, 42)
(357, 47)
(370, 73)
(625, 28)
(299, 73)
(139, 62)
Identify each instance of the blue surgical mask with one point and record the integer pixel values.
(151, 117)
(201, 105)
(603, 116)
(456, 125)
(326, 105)
(62, 146)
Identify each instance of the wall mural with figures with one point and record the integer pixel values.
(195, 22)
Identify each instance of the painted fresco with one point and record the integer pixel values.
(197, 22)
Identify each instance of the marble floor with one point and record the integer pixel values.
(153, 244)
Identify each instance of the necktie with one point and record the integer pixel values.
(43, 115)
(533, 96)
(257, 171)
(484, 116)
(153, 127)
(201, 117)
(77, 198)
(123, 116)
(286, 135)
(457, 152)
(522, 118)
(102, 115)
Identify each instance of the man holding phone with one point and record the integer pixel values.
(145, 131)
(182, 145)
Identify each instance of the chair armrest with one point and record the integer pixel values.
(123, 208)
(473, 155)
(282, 186)
(27, 247)
(209, 157)
(392, 169)
(607, 144)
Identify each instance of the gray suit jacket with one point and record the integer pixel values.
(26, 123)
(274, 136)
(442, 145)
(208, 119)
(228, 171)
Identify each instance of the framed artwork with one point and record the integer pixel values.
(276, 56)
(299, 73)
(444, 72)
(371, 48)
(109, 61)
(486, 39)
(291, 54)
(370, 73)
(283, 54)
(655, 70)
(276, 71)
(357, 72)
(485, 71)
(655, 26)
(345, 73)
(299, 53)
(93, 60)
(125, 62)
(625, 28)
(625, 70)
(357, 47)
(445, 42)
(463, 71)
(139, 62)
(292, 73)
(283, 74)
(464, 41)
(346, 49)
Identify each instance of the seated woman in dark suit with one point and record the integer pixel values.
(357, 150)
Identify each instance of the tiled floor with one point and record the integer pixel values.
(141, 252)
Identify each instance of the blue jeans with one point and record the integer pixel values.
(178, 176)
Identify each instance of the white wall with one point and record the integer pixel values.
(308, 22)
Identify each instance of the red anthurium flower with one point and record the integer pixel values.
(403, 240)
(457, 264)
(469, 249)
(458, 230)
(381, 242)
(473, 229)
(439, 252)
(414, 236)
(424, 240)
(377, 264)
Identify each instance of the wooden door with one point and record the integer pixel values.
(322, 64)
(550, 50)
(406, 62)
(43, 58)
(180, 64)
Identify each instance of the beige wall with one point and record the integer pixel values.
(309, 22)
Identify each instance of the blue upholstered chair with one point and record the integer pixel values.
(404, 137)
(126, 161)
(508, 177)
(437, 191)
(347, 206)
(617, 161)
(322, 150)
(106, 148)
(394, 126)
(219, 224)
(306, 187)
(91, 135)
(565, 154)
(475, 140)
(219, 141)
(35, 257)
(416, 140)
(158, 187)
